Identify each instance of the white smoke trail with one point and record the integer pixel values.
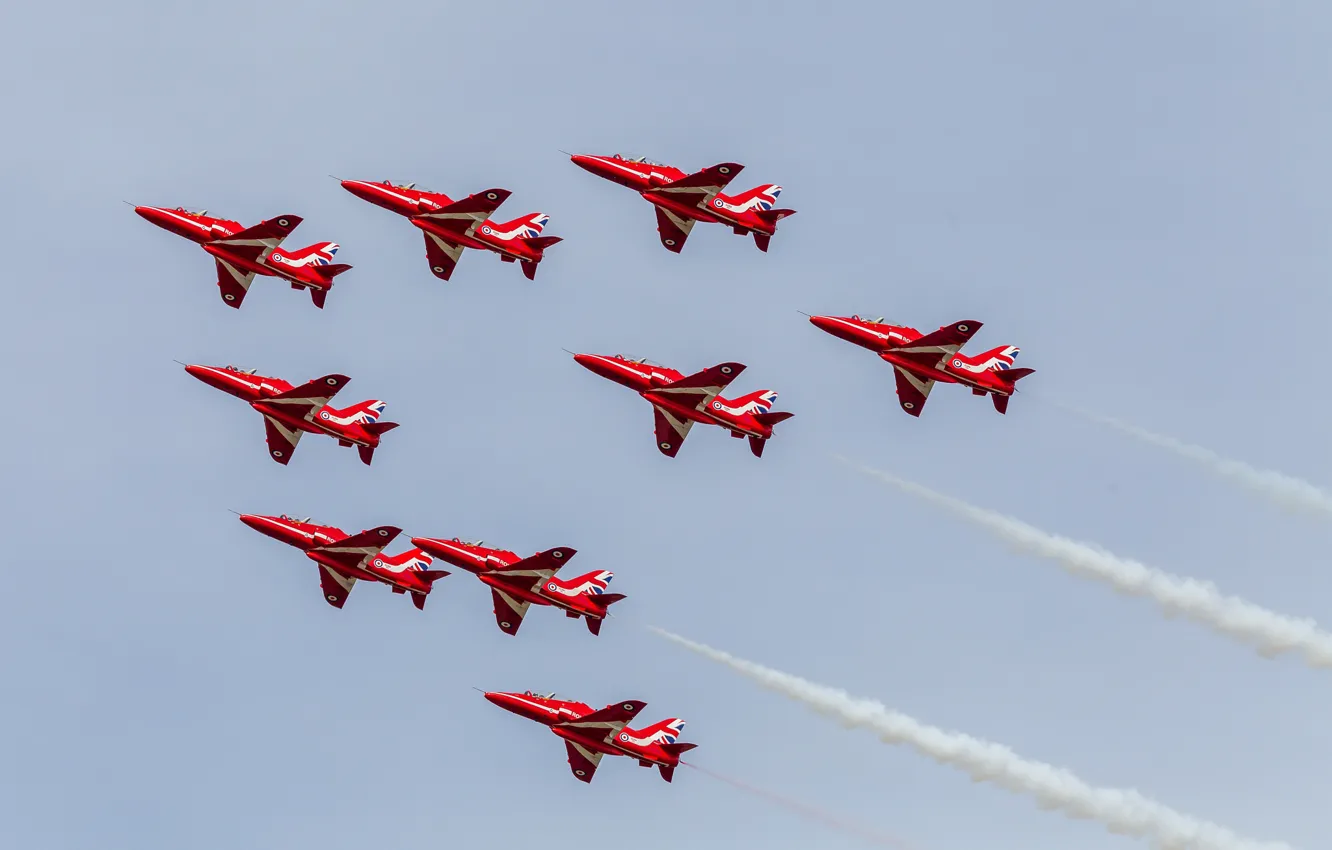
(808, 811)
(1124, 812)
(1267, 631)
(1284, 490)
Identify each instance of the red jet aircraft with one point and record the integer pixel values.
(919, 360)
(517, 583)
(343, 558)
(450, 226)
(682, 199)
(242, 253)
(588, 735)
(678, 401)
(291, 411)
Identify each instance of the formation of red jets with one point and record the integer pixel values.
(678, 400)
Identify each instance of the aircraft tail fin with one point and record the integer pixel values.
(993, 360)
(524, 227)
(366, 412)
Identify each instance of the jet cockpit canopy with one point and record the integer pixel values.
(867, 319)
(294, 519)
(641, 159)
(238, 370)
(551, 695)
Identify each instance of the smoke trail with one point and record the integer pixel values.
(1287, 491)
(1123, 812)
(808, 811)
(1267, 631)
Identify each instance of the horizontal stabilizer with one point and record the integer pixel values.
(1012, 376)
(379, 427)
(774, 216)
(432, 575)
(605, 600)
(677, 749)
(541, 243)
(772, 418)
(331, 270)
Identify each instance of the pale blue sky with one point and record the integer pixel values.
(1136, 193)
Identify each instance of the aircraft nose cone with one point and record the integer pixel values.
(823, 323)
(594, 164)
(503, 700)
(253, 521)
(584, 360)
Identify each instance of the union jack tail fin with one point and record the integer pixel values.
(995, 359)
(759, 401)
(588, 584)
(524, 227)
(413, 560)
(759, 198)
(320, 253)
(366, 412)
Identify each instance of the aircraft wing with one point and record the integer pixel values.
(509, 611)
(302, 402)
(700, 388)
(232, 283)
(442, 255)
(529, 572)
(605, 723)
(337, 587)
(698, 189)
(671, 431)
(281, 440)
(254, 243)
(466, 215)
(357, 551)
(582, 761)
(936, 347)
(912, 390)
(673, 229)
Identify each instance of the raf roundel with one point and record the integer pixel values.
(330, 381)
(624, 736)
(557, 554)
(670, 241)
(957, 363)
(665, 445)
(726, 370)
(379, 562)
(963, 328)
(909, 405)
(282, 222)
(724, 170)
(332, 598)
(486, 230)
(627, 707)
(491, 196)
(383, 533)
(550, 586)
(277, 453)
(505, 624)
(323, 414)
(229, 297)
(580, 773)
(438, 269)
(717, 405)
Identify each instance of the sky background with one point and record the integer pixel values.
(1136, 193)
